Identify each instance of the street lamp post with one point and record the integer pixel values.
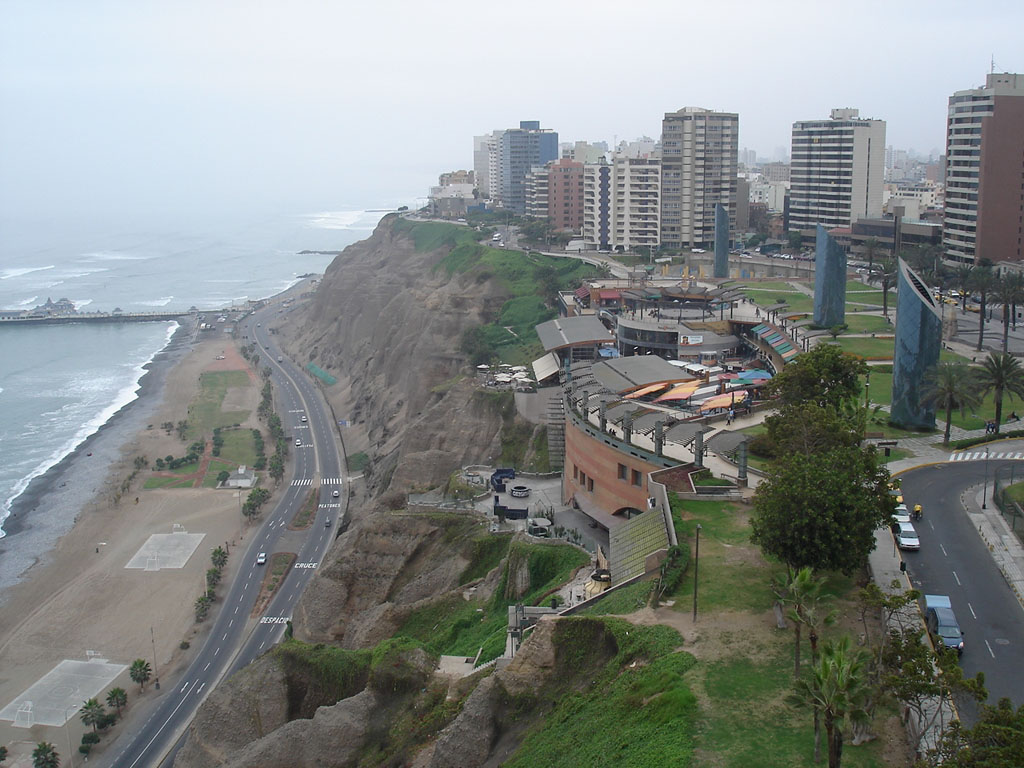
(984, 489)
(156, 674)
(696, 564)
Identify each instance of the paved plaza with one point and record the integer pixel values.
(166, 550)
(57, 696)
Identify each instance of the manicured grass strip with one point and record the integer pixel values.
(162, 482)
(204, 413)
(239, 446)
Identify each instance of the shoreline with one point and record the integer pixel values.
(73, 482)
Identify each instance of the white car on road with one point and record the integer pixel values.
(906, 536)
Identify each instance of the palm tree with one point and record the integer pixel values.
(91, 713)
(949, 386)
(117, 698)
(1000, 373)
(886, 273)
(219, 557)
(963, 278)
(140, 673)
(815, 615)
(1001, 293)
(1015, 288)
(870, 247)
(982, 281)
(802, 592)
(45, 756)
(837, 687)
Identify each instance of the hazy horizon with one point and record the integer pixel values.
(123, 111)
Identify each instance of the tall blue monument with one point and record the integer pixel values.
(829, 281)
(918, 343)
(721, 241)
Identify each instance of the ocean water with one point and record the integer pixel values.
(59, 384)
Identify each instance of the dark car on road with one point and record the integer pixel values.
(942, 623)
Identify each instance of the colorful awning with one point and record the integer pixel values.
(646, 391)
(680, 391)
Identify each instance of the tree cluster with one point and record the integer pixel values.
(950, 385)
(823, 496)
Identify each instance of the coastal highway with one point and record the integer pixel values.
(954, 561)
(236, 638)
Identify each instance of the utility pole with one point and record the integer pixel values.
(156, 674)
(696, 565)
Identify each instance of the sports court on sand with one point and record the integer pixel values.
(57, 696)
(166, 550)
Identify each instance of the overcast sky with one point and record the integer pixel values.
(173, 106)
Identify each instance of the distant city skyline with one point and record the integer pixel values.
(115, 109)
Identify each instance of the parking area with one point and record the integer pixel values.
(542, 497)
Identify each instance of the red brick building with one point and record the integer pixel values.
(565, 195)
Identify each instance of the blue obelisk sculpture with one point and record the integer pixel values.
(721, 241)
(829, 281)
(918, 343)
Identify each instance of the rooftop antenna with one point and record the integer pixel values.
(993, 64)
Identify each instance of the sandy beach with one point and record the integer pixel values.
(80, 597)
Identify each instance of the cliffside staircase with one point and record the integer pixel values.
(556, 431)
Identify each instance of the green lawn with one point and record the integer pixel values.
(776, 285)
(205, 411)
(166, 482)
(216, 467)
(798, 302)
(745, 721)
(867, 347)
(868, 324)
(238, 447)
(870, 297)
(185, 469)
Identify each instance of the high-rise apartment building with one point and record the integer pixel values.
(519, 150)
(698, 169)
(565, 195)
(536, 186)
(485, 157)
(621, 202)
(837, 170)
(984, 207)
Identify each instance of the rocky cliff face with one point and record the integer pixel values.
(387, 322)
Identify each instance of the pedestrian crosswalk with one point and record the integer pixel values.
(975, 455)
(325, 481)
(303, 481)
(331, 481)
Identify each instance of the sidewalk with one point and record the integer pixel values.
(1006, 548)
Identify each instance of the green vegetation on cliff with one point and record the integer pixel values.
(459, 627)
(531, 282)
(604, 709)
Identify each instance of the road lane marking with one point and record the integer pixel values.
(972, 611)
(216, 651)
(207, 666)
(160, 730)
(943, 550)
(201, 688)
(989, 649)
(957, 579)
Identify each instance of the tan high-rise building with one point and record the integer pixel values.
(699, 163)
(984, 205)
(837, 170)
